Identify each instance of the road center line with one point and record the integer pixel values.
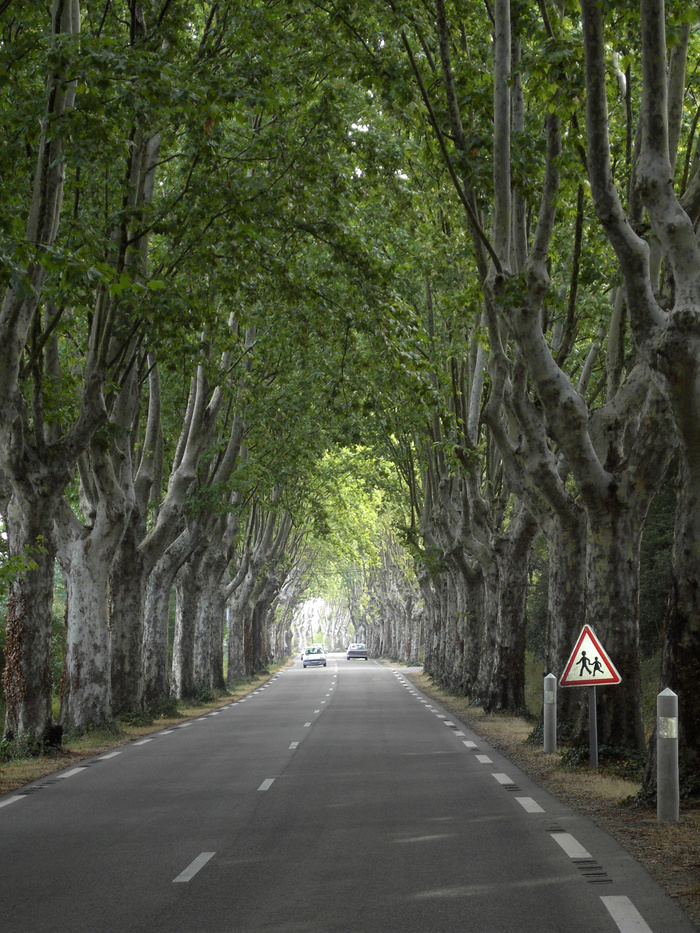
(267, 784)
(194, 867)
(571, 846)
(625, 915)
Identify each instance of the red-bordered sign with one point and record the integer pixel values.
(589, 664)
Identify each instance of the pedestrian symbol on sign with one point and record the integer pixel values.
(589, 665)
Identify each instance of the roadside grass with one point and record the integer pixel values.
(18, 771)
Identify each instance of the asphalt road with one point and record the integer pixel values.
(333, 799)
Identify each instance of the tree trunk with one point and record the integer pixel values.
(507, 687)
(566, 602)
(187, 588)
(27, 674)
(156, 670)
(680, 669)
(128, 589)
(614, 540)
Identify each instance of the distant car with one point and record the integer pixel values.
(313, 656)
(357, 650)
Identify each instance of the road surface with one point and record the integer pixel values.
(332, 799)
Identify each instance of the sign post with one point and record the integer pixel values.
(589, 666)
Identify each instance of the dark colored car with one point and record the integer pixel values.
(357, 650)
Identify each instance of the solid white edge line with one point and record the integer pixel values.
(625, 915)
(9, 800)
(570, 845)
(529, 805)
(194, 867)
(267, 784)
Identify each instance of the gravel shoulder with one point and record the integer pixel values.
(670, 852)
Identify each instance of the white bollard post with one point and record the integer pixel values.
(550, 714)
(667, 780)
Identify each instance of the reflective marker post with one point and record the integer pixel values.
(550, 714)
(667, 780)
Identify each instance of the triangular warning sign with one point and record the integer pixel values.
(589, 665)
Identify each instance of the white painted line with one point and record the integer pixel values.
(184, 725)
(625, 915)
(294, 745)
(440, 716)
(317, 711)
(322, 702)
(571, 846)
(460, 733)
(167, 732)
(8, 800)
(143, 742)
(194, 867)
(485, 760)
(504, 779)
(62, 777)
(111, 755)
(448, 723)
(306, 725)
(267, 784)
(529, 805)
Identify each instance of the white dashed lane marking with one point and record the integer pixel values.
(143, 742)
(571, 846)
(194, 867)
(469, 744)
(62, 777)
(484, 759)
(294, 745)
(9, 800)
(111, 755)
(625, 915)
(504, 779)
(529, 805)
(267, 784)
